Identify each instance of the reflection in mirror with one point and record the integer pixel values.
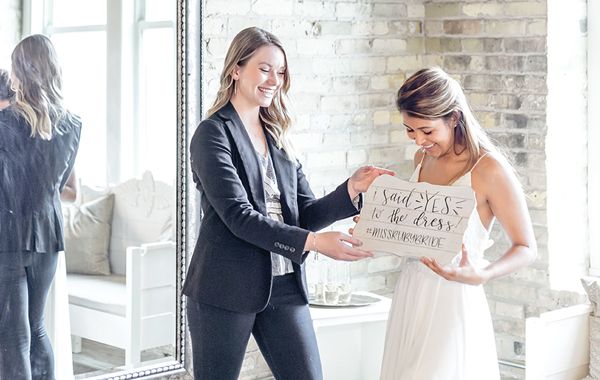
(112, 307)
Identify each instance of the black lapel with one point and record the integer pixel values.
(285, 171)
(247, 153)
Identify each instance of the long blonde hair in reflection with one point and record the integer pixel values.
(431, 93)
(37, 82)
(276, 117)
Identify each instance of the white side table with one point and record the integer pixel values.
(351, 339)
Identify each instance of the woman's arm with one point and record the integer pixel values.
(507, 202)
(212, 164)
(69, 192)
(503, 193)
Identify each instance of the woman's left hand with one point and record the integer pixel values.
(363, 177)
(465, 272)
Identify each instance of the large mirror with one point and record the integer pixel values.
(114, 309)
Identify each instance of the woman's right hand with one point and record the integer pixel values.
(333, 244)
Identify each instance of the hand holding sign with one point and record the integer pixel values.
(414, 218)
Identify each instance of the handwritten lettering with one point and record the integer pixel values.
(407, 237)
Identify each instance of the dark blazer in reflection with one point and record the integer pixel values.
(231, 265)
(33, 172)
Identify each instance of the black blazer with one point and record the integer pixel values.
(231, 264)
(33, 172)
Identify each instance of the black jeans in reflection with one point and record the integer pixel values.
(283, 331)
(25, 350)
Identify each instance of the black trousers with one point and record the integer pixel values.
(283, 331)
(25, 350)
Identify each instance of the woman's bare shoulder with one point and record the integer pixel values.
(493, 169)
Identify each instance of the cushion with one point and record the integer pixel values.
(87, 235)
(102, 293)
(143, 213)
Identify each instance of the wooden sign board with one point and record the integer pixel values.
(414, 218)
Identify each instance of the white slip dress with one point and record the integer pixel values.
(439, 329)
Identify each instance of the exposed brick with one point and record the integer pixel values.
(396, 80)
(537, 27)
(437, 10)
(368, 28)
(381, 118)
(505, 27)
(328, 159)
(483, 82)
(389, 46)
(353, 46)
(353, 10)
(340, 28)
(352, 84)
(314, 46)
(339, 103)
(213, 27)
(466, 27)
(482, 9)
(415, 45)
(370, 65)
(457, 62)
(389, 10)
(370, 101)
(315, 9)
(404, 63)
(443, 45)
(271, 7)
(415, 10)
(525, 45)
(536, 63)
(504, 63)
(529, 8)
(515, 121)
(378, 156)
(434, 27)
(234, 7)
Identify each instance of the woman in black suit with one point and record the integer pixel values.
(38, 143)
(246, 275)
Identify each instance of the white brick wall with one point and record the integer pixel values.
(348, 59)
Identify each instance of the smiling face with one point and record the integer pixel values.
(435, 136)
(261, 77)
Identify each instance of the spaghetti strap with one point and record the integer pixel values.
(422, 159)
(478, 160)
(415, 176)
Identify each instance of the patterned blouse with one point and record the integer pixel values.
(280, 265)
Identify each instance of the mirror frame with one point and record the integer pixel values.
(180, 367)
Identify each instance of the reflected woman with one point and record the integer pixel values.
(38, 144)
(259, 216)
(440, 325)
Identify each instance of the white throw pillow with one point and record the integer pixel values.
(87, 235)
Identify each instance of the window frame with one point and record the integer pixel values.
(593, 117)
(125, 23)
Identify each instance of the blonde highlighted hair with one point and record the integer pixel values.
(37, 82)
(276, 118)
(431, 93)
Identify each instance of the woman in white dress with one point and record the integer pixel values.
(440, 325)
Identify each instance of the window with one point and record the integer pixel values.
(567, 145)
(118, 59)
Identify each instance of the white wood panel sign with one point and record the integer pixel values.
(414, 218)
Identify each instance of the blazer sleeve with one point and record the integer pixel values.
(73, 148)
(212, 164)
(316, 214)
